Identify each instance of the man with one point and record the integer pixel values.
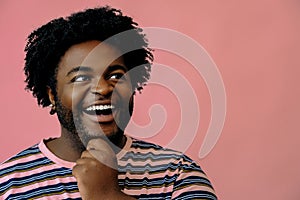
(87, 67)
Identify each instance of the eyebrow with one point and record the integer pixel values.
(88, 69)
(116, 67)
(79, 68)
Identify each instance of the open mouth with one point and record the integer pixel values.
(100, 109)
(100, 113)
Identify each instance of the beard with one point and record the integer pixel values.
(79, 134)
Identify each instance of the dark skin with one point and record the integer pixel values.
(88, 78)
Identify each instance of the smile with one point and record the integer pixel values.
(99, 107)
(101, 113)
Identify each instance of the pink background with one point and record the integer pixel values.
(255, 45)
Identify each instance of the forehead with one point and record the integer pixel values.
(95, 54)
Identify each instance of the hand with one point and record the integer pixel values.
(96, 172)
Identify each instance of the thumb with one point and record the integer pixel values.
(101, 150)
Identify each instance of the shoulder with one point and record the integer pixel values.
(175, 168)
(21, 162)
(13, 167)
(141, 145)
(31, 174)
(148, 148)
(29, 152)
(153, 157)
(149, 151)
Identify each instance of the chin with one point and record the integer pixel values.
(112, 134)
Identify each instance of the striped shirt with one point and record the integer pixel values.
(146, 171)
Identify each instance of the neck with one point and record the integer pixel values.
(69, 147)
(65, 149)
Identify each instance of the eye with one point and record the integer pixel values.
(116, 76)
(80, 78)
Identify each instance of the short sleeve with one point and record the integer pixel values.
(192, 182)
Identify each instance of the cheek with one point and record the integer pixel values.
(123, 93)
(71, 96)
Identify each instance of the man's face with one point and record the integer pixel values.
(93, 91)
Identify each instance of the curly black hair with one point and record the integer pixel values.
(47, 44)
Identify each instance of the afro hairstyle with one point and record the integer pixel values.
(47, 44)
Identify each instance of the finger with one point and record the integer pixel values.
(94, 154)
(83, 161)
(82, 164)
(91, 156)
(100, 156)
(100, 144)
(86, 154)
(101, 150)
(76, 171)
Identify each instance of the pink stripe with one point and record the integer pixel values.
(53, 157)
(62, 196)
(126, 148)
(184, 175)
(21, 160)
(27, 173)
(143, 163)
(148, 190)
(146, 175)
(40, 184)
(155, 152)
(160, 175)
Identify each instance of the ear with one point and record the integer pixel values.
(50, 95)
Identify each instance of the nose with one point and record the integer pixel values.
(102, 87)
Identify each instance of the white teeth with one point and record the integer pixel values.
(100, 107)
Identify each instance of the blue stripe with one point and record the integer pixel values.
(192, 180)
(30, 151)
(16, 182)
(149, 168)
(143, 144)
(22, 166)
(196, 195)
(48, 190)
(151, 156)
(160, 196)
(147, 182)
